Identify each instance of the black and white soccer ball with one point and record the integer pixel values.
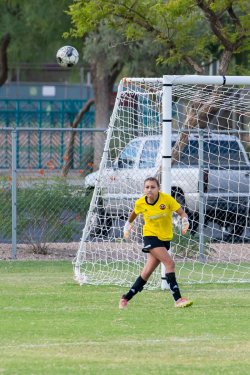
(67, 56)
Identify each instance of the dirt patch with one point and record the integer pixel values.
(55, 251)
(224, 252)
(228, 252)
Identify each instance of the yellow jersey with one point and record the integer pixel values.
(157, 216)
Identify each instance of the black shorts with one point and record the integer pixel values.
(150, 242)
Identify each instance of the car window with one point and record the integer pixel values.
(128, 156)
(149, 154)
(224, 153)
(190, 154)
(216, 153)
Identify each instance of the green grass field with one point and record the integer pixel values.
(50, 325)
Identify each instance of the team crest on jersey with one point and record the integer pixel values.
(162, 206)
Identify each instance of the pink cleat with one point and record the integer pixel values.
(183, 302)
(123, 303)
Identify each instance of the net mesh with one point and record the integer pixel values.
(210, 178)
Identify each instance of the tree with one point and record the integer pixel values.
(192, 32)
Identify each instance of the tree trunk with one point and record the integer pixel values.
(225, 61)
(69, 154)
(4, 43)
(102, 88)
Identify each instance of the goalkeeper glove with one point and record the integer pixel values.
(184, 225)
(126, 230)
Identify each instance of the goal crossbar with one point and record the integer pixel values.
(195, 80)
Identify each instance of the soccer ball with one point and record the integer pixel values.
(67, 56)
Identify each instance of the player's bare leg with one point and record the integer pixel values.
(163, 256)
(151, 264)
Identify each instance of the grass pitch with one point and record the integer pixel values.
(50, 325)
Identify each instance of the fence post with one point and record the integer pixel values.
(13, 189)
(40, 125)
(201, 195)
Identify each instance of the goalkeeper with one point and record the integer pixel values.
(156, 208)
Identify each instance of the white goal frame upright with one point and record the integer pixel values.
(167, 82)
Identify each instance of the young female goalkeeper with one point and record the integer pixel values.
(156, 208)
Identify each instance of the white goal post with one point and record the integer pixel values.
(192, 132)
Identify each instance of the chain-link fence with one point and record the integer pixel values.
(42, 196)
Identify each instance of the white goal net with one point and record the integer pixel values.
(193, 134)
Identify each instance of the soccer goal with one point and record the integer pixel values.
(191, 132)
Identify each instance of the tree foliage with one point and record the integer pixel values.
(192, 32)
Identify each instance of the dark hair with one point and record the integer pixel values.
(152, 179)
